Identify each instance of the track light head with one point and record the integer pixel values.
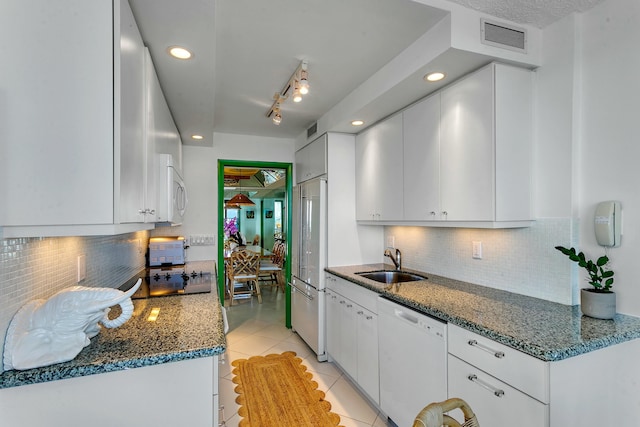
(304, 83)
(297, 96)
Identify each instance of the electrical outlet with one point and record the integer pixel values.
(476, 252)
(82, 267)
(391, 241)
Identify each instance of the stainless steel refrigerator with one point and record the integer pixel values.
(309, 259)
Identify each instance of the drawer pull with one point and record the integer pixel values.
(475, 343)
(496, 391)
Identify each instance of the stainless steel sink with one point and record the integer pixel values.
(391, 276)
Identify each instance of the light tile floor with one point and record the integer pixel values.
(258, 329)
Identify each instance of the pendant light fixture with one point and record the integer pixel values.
(239, 199)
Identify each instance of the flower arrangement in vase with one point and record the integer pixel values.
(231, 232)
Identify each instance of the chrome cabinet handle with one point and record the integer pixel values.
(496, 391)
(349, 305)
(483, 347)
(360, 312)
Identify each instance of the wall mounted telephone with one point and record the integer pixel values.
(608, 223)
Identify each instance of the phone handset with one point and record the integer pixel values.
(608, 223)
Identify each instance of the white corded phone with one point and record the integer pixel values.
(608, 223)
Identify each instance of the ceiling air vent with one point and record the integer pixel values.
(312, 130)
(500, 35)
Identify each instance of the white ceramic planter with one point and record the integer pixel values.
(601, 305)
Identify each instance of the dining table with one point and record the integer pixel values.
(264, 253)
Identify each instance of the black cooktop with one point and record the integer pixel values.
(169, 281)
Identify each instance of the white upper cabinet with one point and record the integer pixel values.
(73, 152)
(421, 124)
(311, 160)
(161, 137)
(133, 154)
(379, 171)
(485, 146)
(459, 158)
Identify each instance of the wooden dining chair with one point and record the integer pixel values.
(243, 271)
(433, 415)
(271, 269)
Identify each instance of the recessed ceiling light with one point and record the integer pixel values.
(434, 77)
(198, 137)
(179, 52)
(357, 122)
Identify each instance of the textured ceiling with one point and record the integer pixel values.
(537, 13)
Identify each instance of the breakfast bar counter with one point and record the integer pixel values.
(545, 330)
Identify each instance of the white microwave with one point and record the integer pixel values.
(172, 193)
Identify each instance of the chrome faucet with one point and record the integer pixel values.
(397, 260)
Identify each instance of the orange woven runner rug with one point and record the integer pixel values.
(276, 390)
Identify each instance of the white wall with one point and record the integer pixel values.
(201, 178)
(609, 170)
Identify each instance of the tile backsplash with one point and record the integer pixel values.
(521, 260)
(32, 268)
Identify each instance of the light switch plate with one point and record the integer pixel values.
(391, 241)
(476, 252)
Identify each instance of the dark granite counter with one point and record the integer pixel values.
(187, 327)
(546, 330)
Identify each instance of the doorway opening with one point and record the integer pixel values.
(254, 209)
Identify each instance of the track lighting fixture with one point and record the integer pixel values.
(297, 85)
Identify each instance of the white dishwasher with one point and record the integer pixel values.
(413, 361)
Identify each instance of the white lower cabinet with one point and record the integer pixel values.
(352, 333)
(183, 393)
(494, 402)
(502, 385)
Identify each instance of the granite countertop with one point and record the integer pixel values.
(546, 330)
(187, 327)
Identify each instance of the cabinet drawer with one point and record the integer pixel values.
(494, 402)
(524, 372)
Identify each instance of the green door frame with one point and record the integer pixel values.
(289, 189)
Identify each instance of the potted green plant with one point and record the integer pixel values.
(598, 301)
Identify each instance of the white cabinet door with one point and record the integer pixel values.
(466, 148)
(421, 130)
(348, 336)
(367, 345)
(311, 160)
(131, 93)
(56, 154)
(333, 325)
(379, 195)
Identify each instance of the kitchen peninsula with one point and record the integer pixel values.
(148, 372)
(542, 358)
